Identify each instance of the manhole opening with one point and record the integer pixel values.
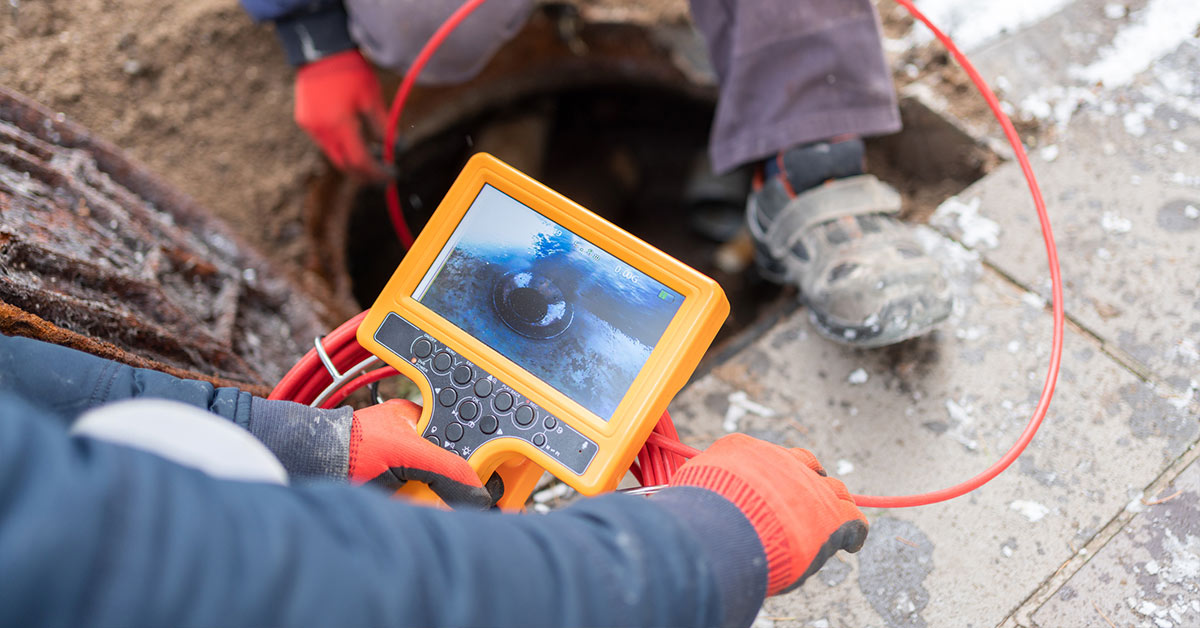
(626, 152)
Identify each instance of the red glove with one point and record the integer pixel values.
(334, 96)
(386, 450)
(801, 516)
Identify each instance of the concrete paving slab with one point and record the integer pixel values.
(1122, 183)
(918, 416)
(1148, 575)
(1040, 61)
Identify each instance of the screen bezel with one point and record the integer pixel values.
(700, 296)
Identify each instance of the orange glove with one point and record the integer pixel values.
(386, 450)
(801, 516)
(334, 96)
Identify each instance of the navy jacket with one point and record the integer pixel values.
(97, 534)
(308, 29)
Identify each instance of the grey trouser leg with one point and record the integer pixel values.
(793, 72)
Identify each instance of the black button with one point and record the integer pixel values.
(447, 397)
(422, 348)
(539, 439)
(434, 439)
(454, 431)
(462, 374)
(468, 411)
(483, 387)
(524, 415)
(488, 424)
(503, 401)
(442, 362)
(550, 423)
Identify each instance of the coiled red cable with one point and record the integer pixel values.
(663, 453)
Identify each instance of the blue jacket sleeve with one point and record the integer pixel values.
(265, 10)
(149, 543)
(308, 29)
(309, 442)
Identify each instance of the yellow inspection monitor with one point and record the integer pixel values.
(540, 335)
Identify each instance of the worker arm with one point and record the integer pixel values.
(148, 542)
(308, 441)
(337, 96)
(308, 30)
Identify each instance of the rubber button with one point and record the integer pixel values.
(468, 410)
(434, 439)
(524, 415)
(442, 362)
(422, 348)
(550, 423)
(539, 439)
(503, 401)
(463, 374)
(454, 432)
(447, 396)
(483, 387)
(488, 424)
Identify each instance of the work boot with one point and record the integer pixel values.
(822, 224)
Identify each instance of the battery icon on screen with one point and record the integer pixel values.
(665, 296)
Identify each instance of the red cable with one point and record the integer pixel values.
(389, 134)
(1039, 412)
(656, 461)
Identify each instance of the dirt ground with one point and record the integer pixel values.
(194, 90)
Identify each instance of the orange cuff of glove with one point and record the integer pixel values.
(801, 517)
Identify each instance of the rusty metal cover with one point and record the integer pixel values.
(97, 254)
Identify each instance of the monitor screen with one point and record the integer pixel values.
(558, 306)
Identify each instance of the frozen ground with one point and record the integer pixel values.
(1098, 524)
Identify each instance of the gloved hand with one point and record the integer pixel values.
(801, 516)
(334, 97)
(386, 450)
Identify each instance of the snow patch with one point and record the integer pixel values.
(1135, 123)
(1152, 32)
(1033, 300)
(1032, 511)
(971, 24)
(970, 333)
(1049, 153)
(1112, 222)
(1058, 103)
(976, 230)
(739, 406)
(858, 376)
(845, 467)
(1186, 351)
(1181, 402)
(1184, 179)
(961, 415)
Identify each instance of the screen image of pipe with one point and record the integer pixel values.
(563, 309)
